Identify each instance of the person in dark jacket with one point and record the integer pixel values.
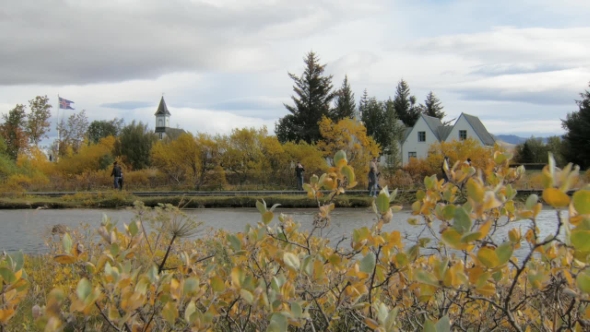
(116, 173)
(299, 174)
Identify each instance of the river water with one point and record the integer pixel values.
(27, 229)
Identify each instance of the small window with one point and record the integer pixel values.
(411, 155)
(421, 136)
(462, 135)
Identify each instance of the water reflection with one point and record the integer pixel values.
(25, 229)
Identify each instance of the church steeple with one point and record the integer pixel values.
(162, 117)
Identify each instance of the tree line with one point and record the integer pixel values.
(321, 120)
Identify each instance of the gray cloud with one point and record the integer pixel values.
(128, 105)
(516, 68)
(67, 42)
(555, 97)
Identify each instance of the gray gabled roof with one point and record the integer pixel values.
(162, 108)
(480, 129)
(443, 132)
(173, 133)
(433, 123)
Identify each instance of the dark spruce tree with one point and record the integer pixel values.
(433, 106)
(373, 117)
(405, 104)
(312, 99)
(363, 103)
(577, 136)
(345, 104)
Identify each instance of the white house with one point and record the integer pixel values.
(429, 130)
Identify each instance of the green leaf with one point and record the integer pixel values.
(291, 261)
(296, 309)
(504, 252)
(234, 242)
(583, 281)
(133, 229)
(581, 200)
(66, 242)
(7, 275)
(278, 323)
(462, 222)
(383, 202)
(261, 206)
(448, 212)
(169, 312)
(488, 257)
(580, 239)
(274, 206)
(217, 284)
(531, 201)
(84, 289)
(426, 278)
(443, 324)
(247, 296)
(367, 264)
(428, 183)
(348, 173)
(190, 286)
(393, 194)
(429, 326)
(18, 259)
(267, 217)
(189, 311)
(469, 237)
(340, 155)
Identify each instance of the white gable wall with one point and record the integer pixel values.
(412, 145)
(462, 124)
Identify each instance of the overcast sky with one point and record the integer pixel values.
(222, 64)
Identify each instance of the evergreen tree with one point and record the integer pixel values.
(577, 126)
(345, 104)
(433, 106)
(13, 131)
(363, 103)
(373, 117)
(405, 104)
(382, 124)
(312, 101)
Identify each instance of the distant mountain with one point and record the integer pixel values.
(513, 139)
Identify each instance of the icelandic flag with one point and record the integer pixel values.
(65, 104)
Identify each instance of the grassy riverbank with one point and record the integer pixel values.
(115, 199)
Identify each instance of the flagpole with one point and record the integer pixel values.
(57, 127)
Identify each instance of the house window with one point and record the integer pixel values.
(421, 136)
(462, 135)
(411, 155)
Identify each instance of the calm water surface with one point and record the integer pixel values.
(27, 229)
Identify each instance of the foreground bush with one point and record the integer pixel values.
(153, 275)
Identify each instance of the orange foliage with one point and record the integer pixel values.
(459, 151)
(88, 158)
(351, 137)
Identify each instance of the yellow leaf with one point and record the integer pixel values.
(372, 324)
(475, 190)
(556, 198)
(485, 229)
(488, 257)
(5, 315)
(64, 259)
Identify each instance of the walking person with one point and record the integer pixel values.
(299, 175)
(373, 173)
(121, 181)
(444, 174)
(116, 173)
